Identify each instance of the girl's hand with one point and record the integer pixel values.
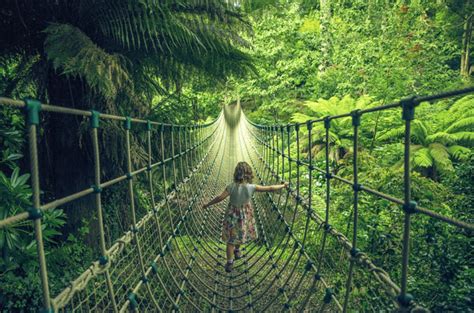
(285, 184)
(205, 206)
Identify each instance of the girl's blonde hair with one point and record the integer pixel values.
(243, 173)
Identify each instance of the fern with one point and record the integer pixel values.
(422, 158)
(419, 131)
(441, 137)
(300, 118)
(462, 124)
(69, 49)
(394, 133)
(463, 105)
(440, 156)
(459, 152)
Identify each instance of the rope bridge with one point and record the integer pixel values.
(171, 258)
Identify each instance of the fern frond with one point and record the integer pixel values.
(441, 137)
(313, 106)
(364, 101)
(462, 105)
(422, 158)
(462, 124)
(300, 118)
(347, 103)
(69, 49)
(440, 156)
(394, 133)
(459, 152)
(419, 131)
(464, 137)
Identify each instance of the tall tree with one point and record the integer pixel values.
(466, 38)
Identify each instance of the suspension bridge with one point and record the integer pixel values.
(171, 257)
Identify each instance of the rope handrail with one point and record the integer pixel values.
(65, 110)
(415, 100)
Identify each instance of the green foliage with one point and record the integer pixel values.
(179, 62)
(386, 50)
(436, 145)
(72, 51)
(19, 269)
(126, 52)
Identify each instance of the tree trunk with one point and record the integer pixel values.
(466, 41)
(325, 18)
(65, 158)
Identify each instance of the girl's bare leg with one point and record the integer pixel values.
(230, 252)
(237, 253)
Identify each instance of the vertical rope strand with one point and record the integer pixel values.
(35, 187)
(94, 123)
(132, 206)
(356, 188)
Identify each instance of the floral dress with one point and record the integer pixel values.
(239, 222)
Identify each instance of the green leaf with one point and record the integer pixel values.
(394, 133)
(440, 156)
(459, 152)
(70, 49)
(462, 124)
(422, 158)
(464, 137)
(441, 137)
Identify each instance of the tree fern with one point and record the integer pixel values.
(340, 133)
(69, 49)
(167, 42)
(394, 133)
(442, 137)
(464, 105)
(436, 148)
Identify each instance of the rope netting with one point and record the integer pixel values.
(171, 257)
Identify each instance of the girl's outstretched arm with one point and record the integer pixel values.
(271, 187)
(217, 199)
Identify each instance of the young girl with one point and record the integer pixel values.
(239, 223)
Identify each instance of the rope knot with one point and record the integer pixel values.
(408, 108)
(328, 295)
(96, 189)
(410, 207)
(356, 117)
(34, 213)
(103, 260)
(405, 299)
